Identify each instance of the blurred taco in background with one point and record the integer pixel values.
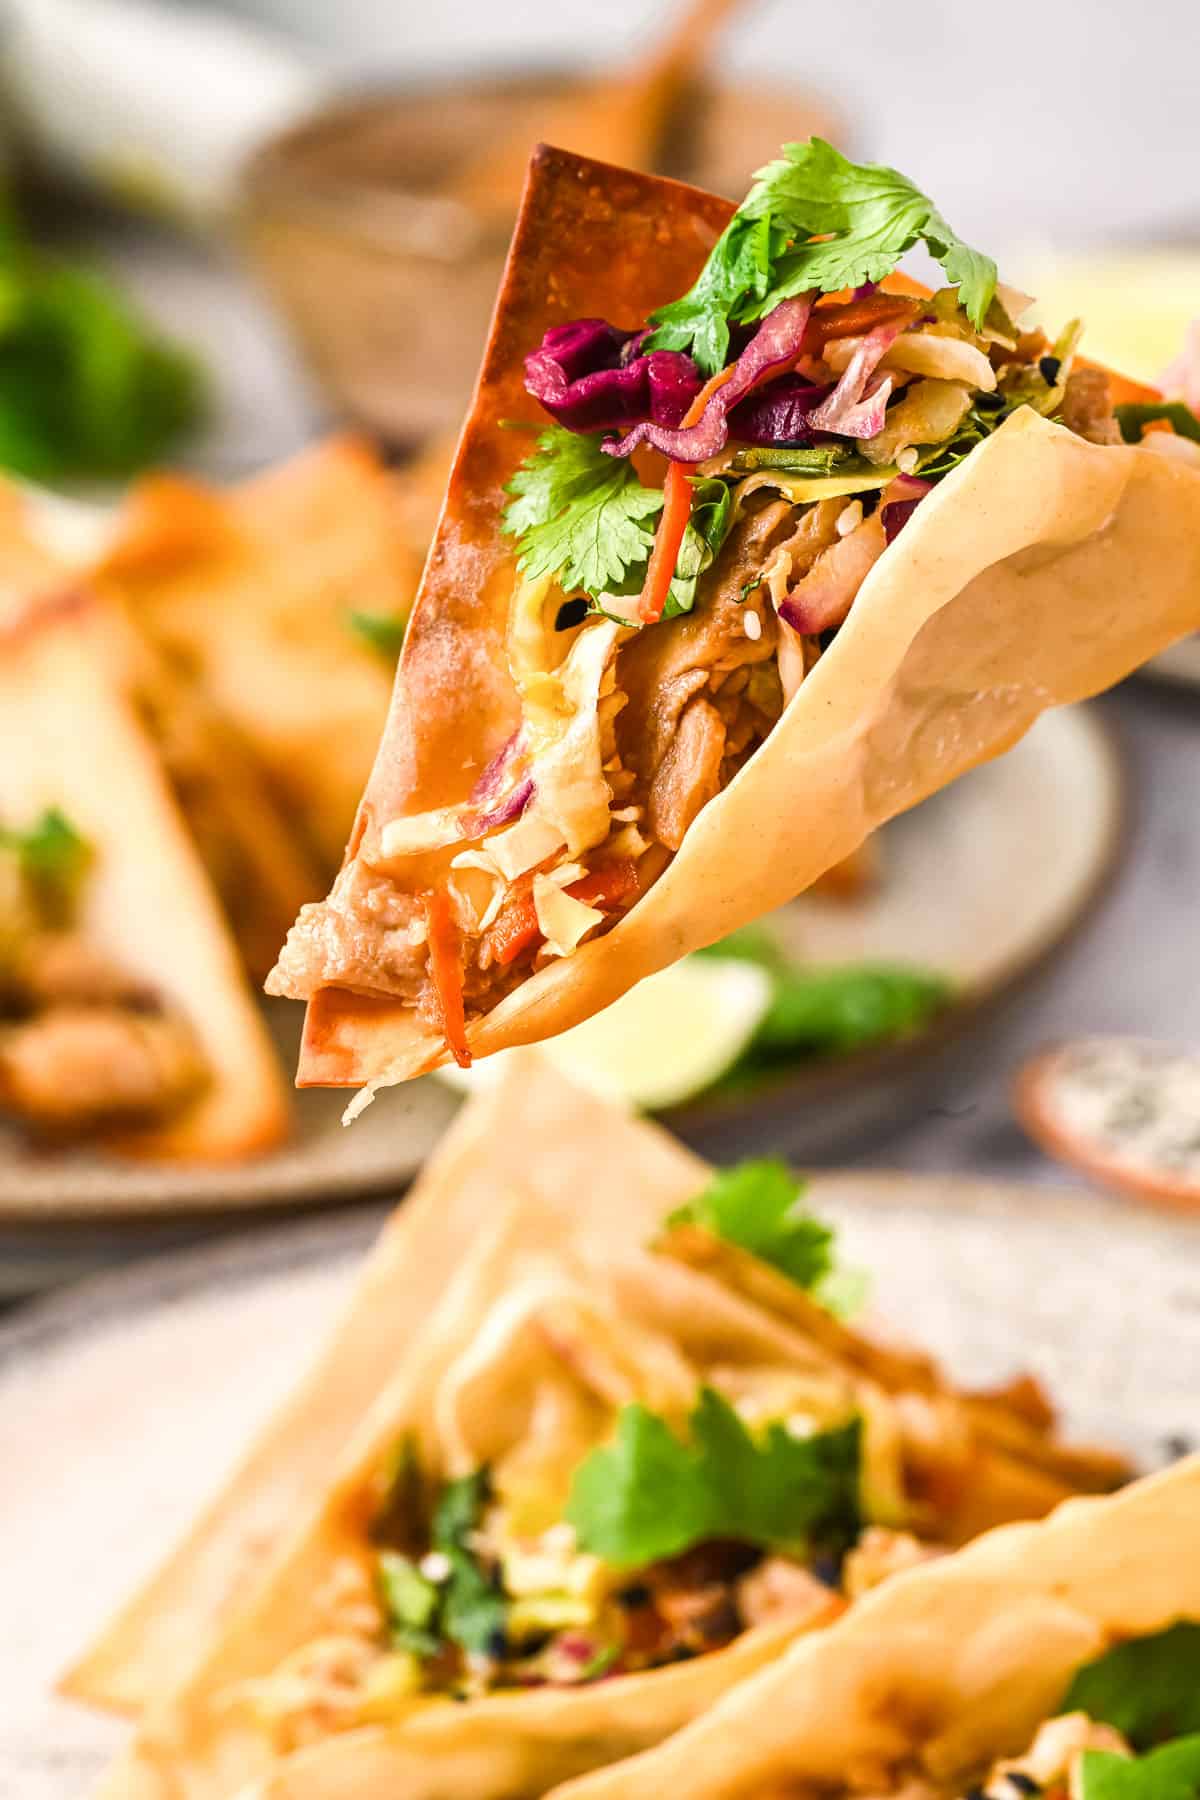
(124, 1013)
(616, 1470)
(798, 548)
(1055, 1659)
(282, 602)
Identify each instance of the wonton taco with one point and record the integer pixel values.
(797, 548)
(1057, 1661)
(609, 1479)
(124, 1013)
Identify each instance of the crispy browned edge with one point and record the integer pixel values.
(590, 239)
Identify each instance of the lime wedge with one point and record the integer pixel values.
(664, 1041)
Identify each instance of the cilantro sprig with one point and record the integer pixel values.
(650, 1495)
(759, 1205)
(1148, 1688)
(582, 517)
(814, 220)
(1169, 1773)
(87, 385)
(467, 1608)
(53, 860)
(585, 519)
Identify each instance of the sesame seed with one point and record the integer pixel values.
(751, 625)
(435, 1566)
(850, 518)
(907, 460)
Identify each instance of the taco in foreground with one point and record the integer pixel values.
(786, 559)
(124, 1015)
(608, 1479)
(1059, 1659)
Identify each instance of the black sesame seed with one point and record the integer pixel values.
(1048, 367)
(1024, 1784)
(570, 613)
(1178, 1444)
(638, 1594)
(827, 1571)
(989, 402)
(497, 1644)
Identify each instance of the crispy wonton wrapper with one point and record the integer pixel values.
(941, 1670)
(566, 1231)
(71, 737)
(1041, 571)
(253, 591)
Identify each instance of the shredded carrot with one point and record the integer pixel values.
(1158, 425)
(517, 927)
(677, 510)
(514, 930)
(606, 886)
(856, 317)
(660, 571)
(445, 966)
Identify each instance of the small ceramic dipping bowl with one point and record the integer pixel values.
(387, 279)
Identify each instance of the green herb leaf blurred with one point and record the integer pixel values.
(88, 388)
(649, 1495)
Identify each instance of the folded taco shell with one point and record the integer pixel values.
(71, 738)
(1041, 571)
(491, 1223)
(945, 1668)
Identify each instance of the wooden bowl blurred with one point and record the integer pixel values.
(388, 280)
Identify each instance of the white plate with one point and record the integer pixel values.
(1180, 664)
(124, 1402)
(984, 882)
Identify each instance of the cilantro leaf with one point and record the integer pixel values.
(1171, 1773)
(834, 1011)
(866, 217)
(837, 1011)
(1148, 1688)
(380, 632)
(410, 1605)
(53, 860)
(87, 386)
(465, 1606)
(737, 273)
(758, 1206)
(581, 517)
(473, 1607)
(1132, 415)
(648, 1495)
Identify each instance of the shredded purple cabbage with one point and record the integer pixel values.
(856, 409)
(508, 809)
(777, 340)
(777, 413)
(492, 780)
(592, 377)
(908, 491)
